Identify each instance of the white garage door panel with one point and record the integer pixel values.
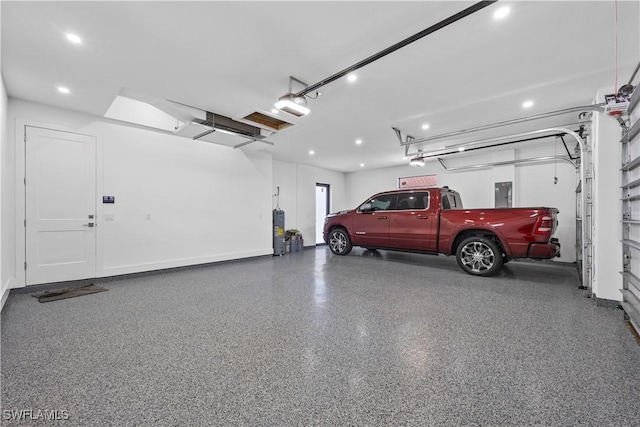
(634, 234)
(634, 265)
(631, 213)
(60, 206)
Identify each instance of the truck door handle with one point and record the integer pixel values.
(422, 217)
(382, 217)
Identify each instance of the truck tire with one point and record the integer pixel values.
(339, 241)
(479, 256)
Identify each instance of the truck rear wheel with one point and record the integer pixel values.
(479, 256)
(339, 241)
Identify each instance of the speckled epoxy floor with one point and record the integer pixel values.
(313, 339)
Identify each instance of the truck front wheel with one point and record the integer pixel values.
(339, 241)
(479, 256)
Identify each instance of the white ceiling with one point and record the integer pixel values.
(233, 57)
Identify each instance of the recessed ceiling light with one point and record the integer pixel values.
(527, 104)
(73, 38)
(358, 141)
(361, 165)
(501, 13)
(62, 89)
(311, 152)
(275, 110)
(352, 77)
(461, 149)
(425, 126)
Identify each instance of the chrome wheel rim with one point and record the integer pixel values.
(338, 242)
(477, 257)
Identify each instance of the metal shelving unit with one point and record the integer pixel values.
(631, 213)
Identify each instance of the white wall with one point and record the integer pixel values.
(607, 208)
(297, 184)
(4, 163)
(473, 187)
(536, 188)
(532, 185)
(178, 202)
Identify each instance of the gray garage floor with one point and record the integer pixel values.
(313, 339)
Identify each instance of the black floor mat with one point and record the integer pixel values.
(68, 293)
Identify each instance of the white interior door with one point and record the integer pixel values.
(322, 210)
(60, 206)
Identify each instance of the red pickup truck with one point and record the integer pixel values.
(432, 220)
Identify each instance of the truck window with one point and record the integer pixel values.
(382, 203)
(451, 201)
(412, 201)
(445, 202)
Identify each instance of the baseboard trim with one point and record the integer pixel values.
(77, 283)
(608, 303)
(5, 295)
(172, 269)
(177, 263)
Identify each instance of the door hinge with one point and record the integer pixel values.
(25, 137)
(25, 222)
(25, 180)
(25, 265)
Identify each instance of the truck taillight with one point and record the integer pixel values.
(544, 225)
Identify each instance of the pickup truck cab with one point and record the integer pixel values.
(432, 220)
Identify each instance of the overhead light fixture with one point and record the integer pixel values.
(311, 152)
(296, 105)
(358, 141)
(501, 13)
(352, 77)
(361, 165)
(527, 104)
(292, 104)
(73, 38)
(425, 126)
(62, 89)
(418, 160)
(227, 132)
